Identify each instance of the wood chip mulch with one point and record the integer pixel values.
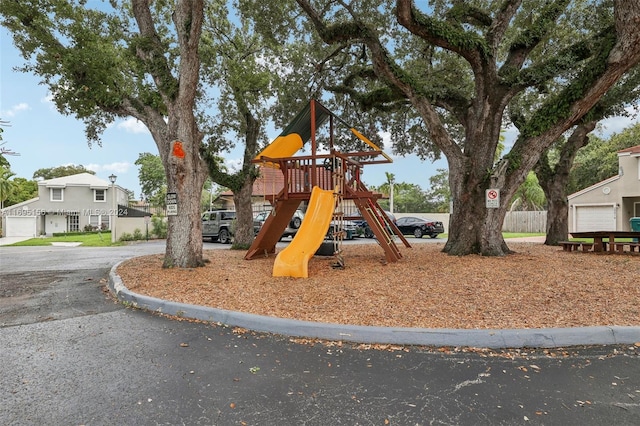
(537, 287)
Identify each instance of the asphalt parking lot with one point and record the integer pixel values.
(72, 355)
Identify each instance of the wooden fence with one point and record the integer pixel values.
(535, 221)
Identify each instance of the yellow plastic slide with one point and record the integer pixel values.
(282, 146)
(293, 260)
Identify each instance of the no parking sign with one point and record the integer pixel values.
(492, 198)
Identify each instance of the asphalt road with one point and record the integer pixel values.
(70, 355)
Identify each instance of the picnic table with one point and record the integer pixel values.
(613, 239)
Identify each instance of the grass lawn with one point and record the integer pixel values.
(522, 234)
(87, 240)
(590, 240)
(104, 239)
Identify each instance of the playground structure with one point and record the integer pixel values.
(324, 181)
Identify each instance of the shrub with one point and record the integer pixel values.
(125, 236)
(237, 246)
(67, 234)
(137, 234)
(159, 226)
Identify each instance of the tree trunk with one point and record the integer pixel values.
(180, 145)
(244, 235)
(474, 228)
(185, 178)
(557, 214)
(242, 194)
(554, 181)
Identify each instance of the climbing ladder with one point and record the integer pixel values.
(382, 228)
(338, 232)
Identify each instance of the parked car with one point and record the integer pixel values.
(350, 228)
(365, 229)
(418, 227)
(290, 230)
(217, 225)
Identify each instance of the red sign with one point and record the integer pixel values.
(177, 149)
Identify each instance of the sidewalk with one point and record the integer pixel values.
(5, 241)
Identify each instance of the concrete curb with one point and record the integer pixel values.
(486, 338)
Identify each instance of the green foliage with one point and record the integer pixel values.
(239, 246)
(106, 60)
(125, 236)
(159, 226)
(439, 194)
(7, 186)
(88, 239)
(529, 196)
(72, 234)
(152, 177)
(407, 198)
(599, 159)
(137, 234)
(4, 151)
(23, 190)
(60, 171)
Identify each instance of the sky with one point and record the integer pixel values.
(44, 138)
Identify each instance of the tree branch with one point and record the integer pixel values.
(150, 50)
(445, 35)
(532, 35)
(501, 23)
(388, 70)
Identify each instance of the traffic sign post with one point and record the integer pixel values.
(492, 198)
(172, 203)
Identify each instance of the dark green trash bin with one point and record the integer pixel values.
(635, 225)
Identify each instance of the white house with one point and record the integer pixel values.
(65, 204)
(609, 205)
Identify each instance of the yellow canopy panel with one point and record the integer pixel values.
(281, 147)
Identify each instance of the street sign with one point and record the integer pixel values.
(172, 203)
(492, 198)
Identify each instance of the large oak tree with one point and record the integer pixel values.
(461, 65)
(126, 59)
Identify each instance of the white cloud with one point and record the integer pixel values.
(118, 167)
(14, 110)
(234, 164)
(132, 125)
(618, 124)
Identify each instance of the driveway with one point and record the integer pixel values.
(80, 358)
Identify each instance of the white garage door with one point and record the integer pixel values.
(21, 226)
(595, 218)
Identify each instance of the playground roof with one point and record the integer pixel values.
(301, 123)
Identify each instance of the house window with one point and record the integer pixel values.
(73, 223)
(99, 222)
(105, 222)
(94, 221)
(99, 195)
(57, 194)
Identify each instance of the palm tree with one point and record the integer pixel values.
(529, 196)
(391, 179)
(6, 185)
